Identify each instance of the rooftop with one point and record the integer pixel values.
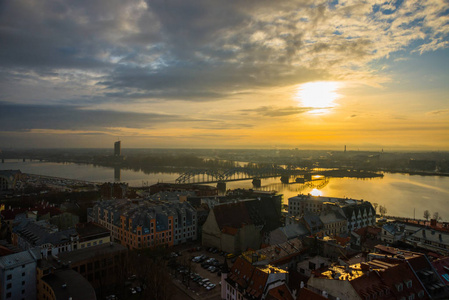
(90, 252)
(68, 284)
(21, 258)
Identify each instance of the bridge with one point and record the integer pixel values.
(235, 174)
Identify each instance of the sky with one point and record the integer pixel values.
(306, 74)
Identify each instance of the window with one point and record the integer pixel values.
(399, 287)
(408, 283)
(8, 286)
(9, 277)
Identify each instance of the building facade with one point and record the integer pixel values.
(142, 224)
(18, 275)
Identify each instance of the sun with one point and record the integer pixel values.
(318, 94)
(316, 193)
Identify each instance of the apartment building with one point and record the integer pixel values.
(18, 275)
(356, 213)
(141, 224)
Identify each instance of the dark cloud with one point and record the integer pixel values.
(14, 117)
(270, 111)
(197, 50)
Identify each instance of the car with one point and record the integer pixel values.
(230, 255)
(210, 286)
(205, 284)
(133, 290)
(132, 277)
(205, 265)
(138, 289)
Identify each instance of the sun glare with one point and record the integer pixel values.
(316, 192)
(318, 94)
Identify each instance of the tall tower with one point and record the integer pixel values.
(117, 148)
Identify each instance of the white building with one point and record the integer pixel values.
(18, 275)
(29, 234)
(358, 213)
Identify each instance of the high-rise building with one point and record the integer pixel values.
(117, 148)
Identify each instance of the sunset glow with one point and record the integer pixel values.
(319, 94)
(285, 74)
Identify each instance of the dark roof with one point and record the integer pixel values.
(264, 212)
(68, 284)
(349, 210)
(260, 212)
(38, 233)
(232, 215)
(312, 219)
(90, 252)
(90, 229)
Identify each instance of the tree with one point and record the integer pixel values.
(436, 216)
(375, 205)
(382, 210)
(426, 215)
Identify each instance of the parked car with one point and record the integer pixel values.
(210, 286)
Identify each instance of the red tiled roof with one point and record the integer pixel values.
(5, 251)
(390, 277)
(249, 277)
(442, 267)
(342, 241)
(10, 214)
(306, 294)
(279, 293)
(229, 230)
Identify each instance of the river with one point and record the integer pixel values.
(402, 194)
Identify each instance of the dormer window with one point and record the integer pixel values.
(408, 283)
(399, 287)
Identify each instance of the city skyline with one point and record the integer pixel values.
(214, 74)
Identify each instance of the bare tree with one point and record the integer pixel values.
(436, 216)
(375, 205)
(426, 214)
(382, 210)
